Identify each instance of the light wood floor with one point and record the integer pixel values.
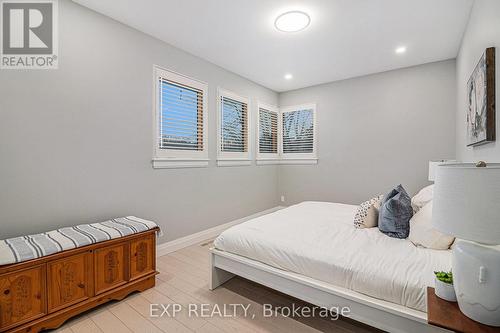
(183, 279)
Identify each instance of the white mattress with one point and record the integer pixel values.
(319, 240)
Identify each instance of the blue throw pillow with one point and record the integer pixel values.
(395, 213)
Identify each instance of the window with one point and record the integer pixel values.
(233, 143)
(299, 134)
(180, 121)
(267, 134)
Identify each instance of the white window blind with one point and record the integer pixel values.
(298, 131)
(234, 125)
(180, 121)
(268, 131)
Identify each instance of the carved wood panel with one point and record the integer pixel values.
(22, 296)
(142, 257)
(141, 254)
(70, 280)
(111, 267)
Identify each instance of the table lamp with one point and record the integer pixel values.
(433, 165)
(466, 205)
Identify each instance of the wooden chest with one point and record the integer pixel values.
(43, 293)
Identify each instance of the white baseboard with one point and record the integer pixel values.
(198, 237)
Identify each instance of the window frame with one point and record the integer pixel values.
(268, 158)
(299, 158)
(175, 158)
(233, 158)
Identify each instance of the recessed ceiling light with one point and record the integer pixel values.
(292, 21)
(288, 76)
(401, 50)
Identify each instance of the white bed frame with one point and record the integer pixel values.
(371, 311)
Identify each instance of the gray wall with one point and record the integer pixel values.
(483, 31)
(76, 143)
(375, 132)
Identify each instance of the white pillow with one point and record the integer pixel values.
(422, 233)
(422, 197)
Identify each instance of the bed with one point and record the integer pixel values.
(313, 251)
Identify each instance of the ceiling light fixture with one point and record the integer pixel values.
(288, 76)
(292, 21)
(401, 50)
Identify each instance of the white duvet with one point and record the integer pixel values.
(319, 240)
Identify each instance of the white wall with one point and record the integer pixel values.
(375, 132)
(76, 143)
(483, 31)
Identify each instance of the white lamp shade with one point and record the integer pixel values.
(466, 202)
(432, 170)
(433, 165)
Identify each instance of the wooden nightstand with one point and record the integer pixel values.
(447, 315)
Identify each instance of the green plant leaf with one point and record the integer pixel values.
(446, 277)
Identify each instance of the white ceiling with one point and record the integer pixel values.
(346, 38)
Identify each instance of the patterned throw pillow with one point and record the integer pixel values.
(367, 213)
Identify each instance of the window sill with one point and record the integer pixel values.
(231, 162)
(268, 162)
(298, 161)
(171, 163)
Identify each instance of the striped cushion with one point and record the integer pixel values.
(19, 249)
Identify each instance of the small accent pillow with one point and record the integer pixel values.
(395, 213)
(367, 213)
(422, 233)
(422, 198)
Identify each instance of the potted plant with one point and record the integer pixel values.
(444, 286)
